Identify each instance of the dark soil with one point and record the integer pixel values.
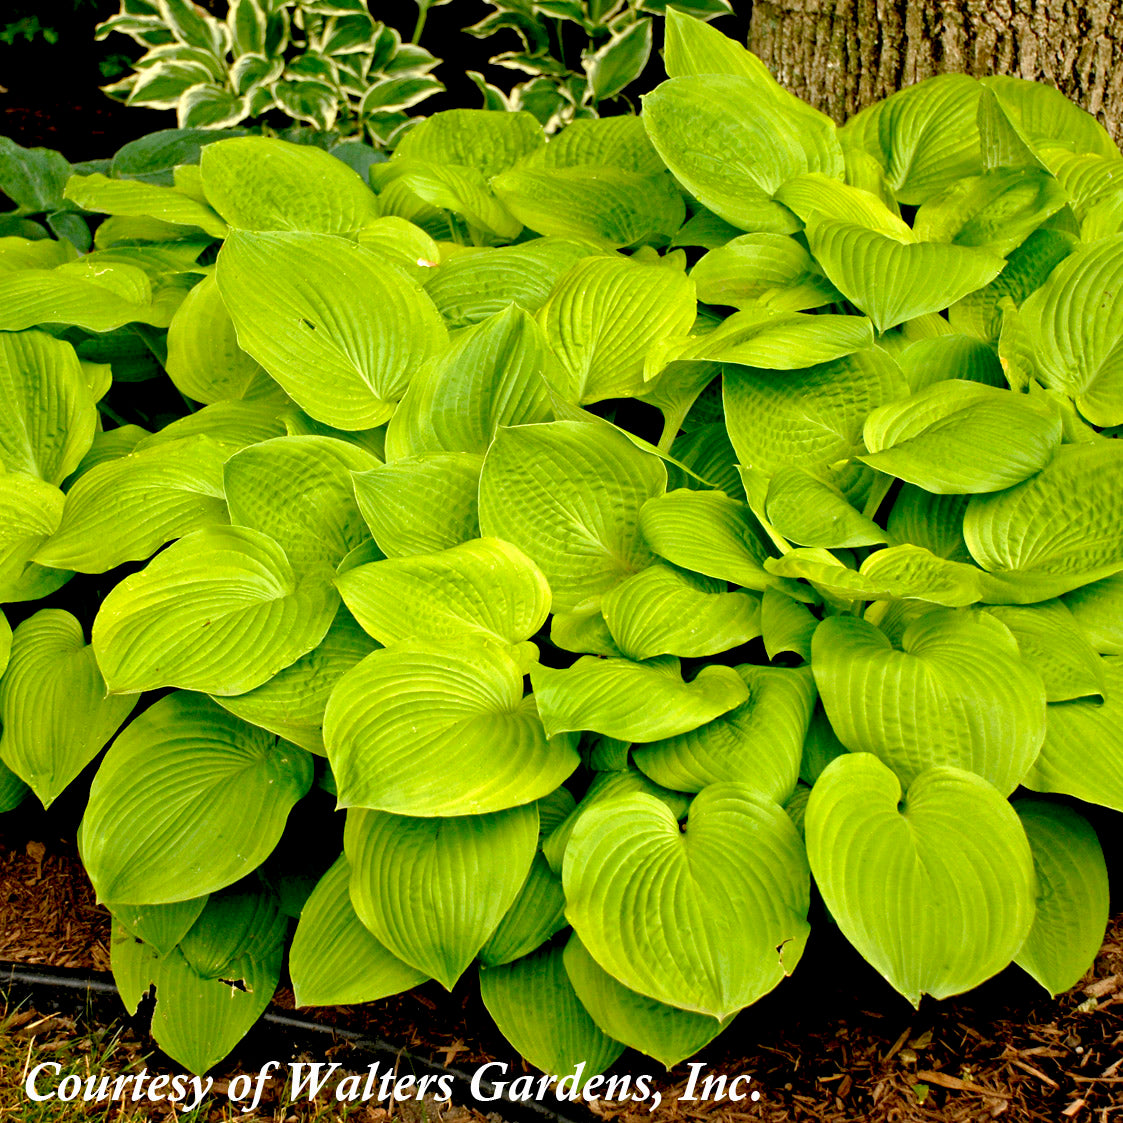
(833, 1043)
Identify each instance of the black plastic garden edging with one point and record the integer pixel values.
(66, 988)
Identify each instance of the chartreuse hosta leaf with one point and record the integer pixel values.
(892, 281)
(606, 786)
(462, 191)
(958, 437)
(441, 729)
(160, 926)
(664, 610)
(433, 890)
(1051, 641)
(932, 906)
(708, 918)
(1072, 895)
(941, 357)
(30, 510)
(491, 376)
(53, 708)
(1098, 611)
(609, 207)
(341, 330)
(48, 418)
(600, 142)
(214, 985)
(568, 494)
(204, 359)
(585, 634)
(1073, 322)
(126, 509)
(537, 913)
(709, 533)
(1046, 118)
(299, 491)
(292, 703)
(733, 148)
(1083, 750)
(1039, 531)
(485, 586)
(421, 504)
(233, 425)
(221, 611)
(259, 183)
(334, 960)
(810, 509)
(600, 695)
(161, 824)
(762, 336)
(770, 269)
(806, 418)
(5, 642)
(957, 693)
(758, 744)
(786, 625)
(537, 1009)
(471, 287)
(924, 136)
(603, 317)
(475, 138)
(102, 195)
(661, 1031)
(814, 197)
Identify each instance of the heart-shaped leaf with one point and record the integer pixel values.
(934, 908)
(538, 912)
(433, 890)
(707, 920)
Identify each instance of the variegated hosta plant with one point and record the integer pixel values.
(324, 63)
(597, 697)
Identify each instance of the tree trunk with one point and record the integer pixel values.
(841, 55)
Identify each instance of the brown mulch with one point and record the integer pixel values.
(833, 1044)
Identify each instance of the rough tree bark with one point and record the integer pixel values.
(843, 54)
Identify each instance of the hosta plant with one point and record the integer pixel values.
(624, 528)
(325, 63)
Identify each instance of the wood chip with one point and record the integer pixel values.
(957, 1085)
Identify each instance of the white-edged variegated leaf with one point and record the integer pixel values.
(299, 491)
(1083, 750)
(441, 729)
(536, 1008)
(48, 417)
(53, 707)
(433, 890)
(933, 907)
(334, 960)
(127, 508)
(707, 918)
(568, 494)
(758, 744)
(292, 703)
(339, 328)
(484, 586)
(957, 694)
(188, 799)
(599, 695)
(661, 1031)
(1072, 895)
(220, 611)
(421, 504)
(961, 438)
(664, 610)
(261, 183)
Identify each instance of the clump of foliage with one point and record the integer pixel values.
(325, 63)
(598, 696)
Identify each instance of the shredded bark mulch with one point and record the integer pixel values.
(834, 1043)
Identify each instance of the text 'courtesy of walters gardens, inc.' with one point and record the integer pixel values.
(323, 1082)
